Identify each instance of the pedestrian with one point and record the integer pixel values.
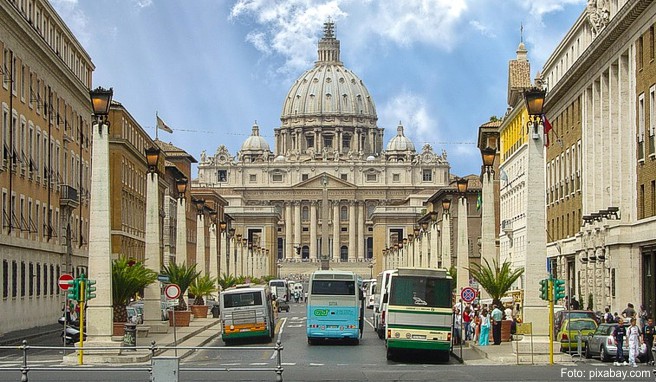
(484, 339)
(642, 315)
(616, 317)
(635, 340)
(648, 339)
(574, 304)
(619, 335)
(466, 319)
(497, 316)
(274, 306)
(457, 328)
(629, 312)
(305, 296)
(508, 313)
(608, 316)
(477, 326)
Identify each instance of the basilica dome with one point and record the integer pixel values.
(400, 142)
(329, 88)
(255, 142)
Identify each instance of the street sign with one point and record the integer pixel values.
(63, 281)
(172, 291)
(163, 278)
(468, 294)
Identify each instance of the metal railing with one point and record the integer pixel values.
(154, 350)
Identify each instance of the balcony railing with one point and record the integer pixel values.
(68, 196)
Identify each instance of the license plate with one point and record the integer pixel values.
(244, 330)
(418, 337)
(332, 326)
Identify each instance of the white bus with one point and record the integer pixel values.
(246, 312)
(280, 288)
(380, 301)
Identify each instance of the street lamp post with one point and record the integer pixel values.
(214, 252)
(100, 309)
(535, 309)
(488, 223)
(153, 261)
(371, 271)
(446, 233)
(181, 222)
(200, 236)
(462, 256)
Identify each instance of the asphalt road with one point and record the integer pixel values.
(331, 361)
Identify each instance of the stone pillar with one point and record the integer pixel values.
(289, 248)
(297, 227)
(462, 256)
(239, 269)
(446, 240)
(351, 232)
(181, 232)
(336, 231)
(200, 244)
(434, 236)
(224, 254)
(100, 313)
(313, 230)
(360, 238)
(152, 296)
(214, 256)
(426, 258)
(488, 246)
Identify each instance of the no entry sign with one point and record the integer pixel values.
(63, 281)
(172, 291)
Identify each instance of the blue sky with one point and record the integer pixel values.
(210, 68)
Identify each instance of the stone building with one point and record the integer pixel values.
(600, 163)
(318, 191)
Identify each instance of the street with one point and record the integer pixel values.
(329, 361)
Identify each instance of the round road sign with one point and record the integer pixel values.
(63, 281)
(468, 294)
(172, 291)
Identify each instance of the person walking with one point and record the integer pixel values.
(629, 312)
(634, 342)
(648, 339)
(642, 315)
(466, 319)
(484, 339)
(619, 335)
(497, 317)
(477, 326)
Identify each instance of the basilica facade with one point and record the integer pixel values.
(329, 188)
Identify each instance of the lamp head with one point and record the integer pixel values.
(222, 224)
(462, 184)
(534, 99)
(424, 225)
(446, 204)
(181, 185)
(101, 100)
(231, 232)
(488, 155)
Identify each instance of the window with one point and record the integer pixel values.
(29, 280)
(396, 177)
(344, 176)
(14, 279)
(328, 142)
(427, 175)
(5, 278)
(333, 287)
(252, 178)
(651, 42)
(305, 213)
(276, 177)
(304, 177)
(222, 175)
(310, 141)
(371, 177)
(346, 142)
(652, 119)
(343, 213)
(22, 286)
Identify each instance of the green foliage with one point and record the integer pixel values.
(495, 279)
(202, 286)
(226, 281)
(128, 278)
(453, 271)
(183, 276)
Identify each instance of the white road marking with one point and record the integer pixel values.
(231, 364)
(295, 326)
(258, 364)
(316, 364)
(369, 322)
(288, 363)
(282, 327)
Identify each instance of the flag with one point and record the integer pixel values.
(479, 201)
(163, 126)
(547, 129)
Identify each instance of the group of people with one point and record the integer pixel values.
(634, 335)
(477, 322)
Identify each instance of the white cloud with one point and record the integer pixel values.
(413, 112)
(76, 20)
(484, 29)
(143, 3)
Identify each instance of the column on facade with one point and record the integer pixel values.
(239, 261)
(426, 255)
(181, 233)
(200, 244)
(289, 248)
(224, 253)
(351, 232)
(462, 256)
(488, 245)
(297, 227)
(446, 240)
(434, 237)
(152, 308)
(313, 230)
(360, 237)
(336, 230)
(214, 255)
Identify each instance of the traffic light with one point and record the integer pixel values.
(559, 289)
(90, 289)
(544, 289)
(74, 290)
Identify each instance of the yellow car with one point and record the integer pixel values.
(569, 332)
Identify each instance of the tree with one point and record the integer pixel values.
(183, 276)
(453, 271)
(495, 279)
(202, 286)
(226, 281)
(128, 278)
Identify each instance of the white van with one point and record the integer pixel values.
(380, 301)
(371, 291)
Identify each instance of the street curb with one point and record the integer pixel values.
(11, 341)
(191, 335)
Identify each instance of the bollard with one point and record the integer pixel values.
(130, 336)
(579, 344)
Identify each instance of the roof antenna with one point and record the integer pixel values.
(521, 32)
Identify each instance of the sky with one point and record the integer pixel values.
(211, 68)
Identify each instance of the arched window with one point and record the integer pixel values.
(305, 214)
(305, 252)
(343, 253)
(343, 213)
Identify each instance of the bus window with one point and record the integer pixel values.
(333, 287)
(411, 291)
(242, 299)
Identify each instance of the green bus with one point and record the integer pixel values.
(419, 313)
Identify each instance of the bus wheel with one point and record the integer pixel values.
(443, 356)
(390, 354)
(310, 341)
(355, 341)
(380, 333)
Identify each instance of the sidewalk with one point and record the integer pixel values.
(17, 337)
(505, 354)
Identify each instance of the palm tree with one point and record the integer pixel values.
(128, 278)
(183, 276)
(202, 286)
(226, 281)
(495, 279)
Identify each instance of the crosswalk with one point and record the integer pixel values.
(296, 322)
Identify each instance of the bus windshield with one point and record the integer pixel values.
(333, 287)
(276, 283)
(420, 291)
(234, 300)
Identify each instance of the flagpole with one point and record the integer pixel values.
(156, 127)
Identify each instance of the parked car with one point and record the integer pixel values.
(568, 335)
(601, 344)
(282, 305)
(135, 315)
(563, 315)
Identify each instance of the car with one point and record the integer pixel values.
(135, 315)
(282, 304)
(563, 315)
(601, 344)
(571, 329)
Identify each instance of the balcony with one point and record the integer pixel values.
(68, 196)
